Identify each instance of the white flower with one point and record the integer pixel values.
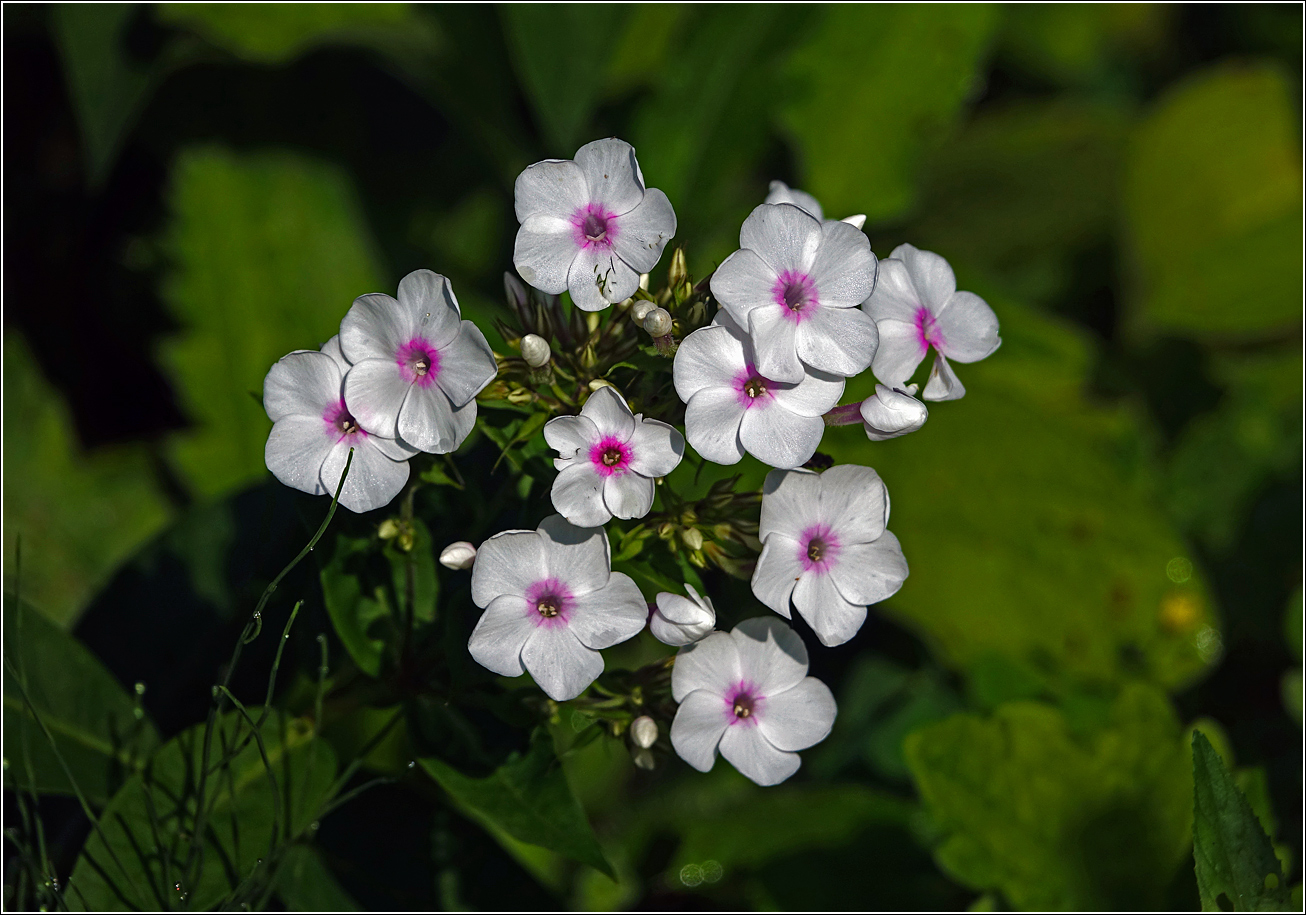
(747, 693)
(732, 407)
(783, 193)
(916, 306)
(824, 544)
(891, 412)
(417, 367)
(590, 226)
(551, 601)
(313, 431)
(608, 459)
(458, 555)
(680, 620)
(795, 285)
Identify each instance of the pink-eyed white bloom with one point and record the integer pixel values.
(608, 459)
(783, 193)
(589, 226)
(313, 430)
(891, 412)
(551, 602)
(795, 285)
(825, 546)
(747, 694)
(732, 407)
(680, 620)
(417, 366)
(916, 306)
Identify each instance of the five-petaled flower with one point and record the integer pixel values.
(795, 285)
(680, 620)
(916, 305)
(825, 546)
(313, 431)
(589, 226)
(733, 407)
(783, 193)
(747, 693)
(417, 366)
(551, 602)
(608, 460)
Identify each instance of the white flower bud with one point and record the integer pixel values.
(891, 412)
(639, 311)
(644, 731)
(535, 350)
(458, 555)
(658, 322)
(643, 758)
(855, 221)
(680, 620)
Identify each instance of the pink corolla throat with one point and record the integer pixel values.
(818, 549)
(796, 294)
(611, 456)
(751, 389)
(341, 425)
(419, 362)
(595, 226)
(549, 603)
(928, 332)
(744, 704)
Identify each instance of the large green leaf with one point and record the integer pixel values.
(1080, 44)
(269, 251)
(1056, 822)
(528, 798)
(79, 513)
(101, 731)
(138, 856)
(1213, 205)
(878, 84)
(1235, 859)
(306, 884)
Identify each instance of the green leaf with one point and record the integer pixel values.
(902, 76)
(528, 798)
(1056, 822)
(1081, 44)
(306, 884)
(269, 250)
(1213, 205)
(412, 573)
(79, 513)
(358, 599)
(1234, 857)
(141, 848)
(101, 732)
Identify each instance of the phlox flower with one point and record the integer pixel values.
(551, 602)
(589, 226)
(747, 694)
(680, 620)
(417, 366)
(795, 285)
(608, 459)
(783, 193)
(916, 306)
(313, 430)
(825, 546)
(733, 407)
(891, 412)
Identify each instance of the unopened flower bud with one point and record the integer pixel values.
(388, 530)
(535, 350)
(644, 731)
(680, 620)
(891, 412)
(514, 290)
(679, 269)
(658, 322)
(693, 538)
(639, 311)
(643, 758)
(458, 555)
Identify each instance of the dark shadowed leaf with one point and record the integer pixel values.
(306, 884)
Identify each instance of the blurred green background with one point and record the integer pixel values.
(1104, 535)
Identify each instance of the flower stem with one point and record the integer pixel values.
(844, 415)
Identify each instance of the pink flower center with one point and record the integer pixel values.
(419, 362)
(341, 425)
(744, 703)
(928, 332)
(594, 225)
(797, 293)
(751, 389)
(610, 456)
(818, 549)
(550, 603)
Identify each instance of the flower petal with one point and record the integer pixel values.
(598, 277)
(374, 328)
(712, 421)
(889, 413)
(393, 448)
(578, 495)
(426, 420)
(374, 479)
(683, 611)
(569, 435)
(466, 365)
(296, 448)
(783, 235)
(554, 187)
(614, 613)
(578, 556)
(560, 664)
(543, 252)
(776, 572)
(930, 274)
(756, 757)
(628, 495)
(895, 296)
(612, 175)
(900, 350)
(429, 297)
(868, 573)
(709, 357)
(777, 437)
(854, 503)
(771, 655)
(644, 231)
(375, 393)
(844, 268)
(302, 383)
(743, 282)
(710, 665)
(841, 341)
(815, 395)
(970, 328)
(834, 619)
(332, 348)
(783, 193)
(697, 729)
(507, 563)
(501, 634)
(791, 501)
(608, 411)
(800, 717)
(775, 342)
(656, 448)
(943, 383)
